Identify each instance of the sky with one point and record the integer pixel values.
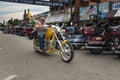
(15, 10)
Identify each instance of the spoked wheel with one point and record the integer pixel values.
(35, 44)
(68, 53)
(96, 51)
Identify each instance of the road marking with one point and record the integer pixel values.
(11, 77)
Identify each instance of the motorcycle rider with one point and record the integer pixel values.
(41, 30)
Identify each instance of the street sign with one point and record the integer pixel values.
(37, 2)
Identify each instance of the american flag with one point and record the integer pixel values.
(90, 10)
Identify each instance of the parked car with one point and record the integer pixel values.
(76, 38)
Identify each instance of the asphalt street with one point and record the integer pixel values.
(18, 61)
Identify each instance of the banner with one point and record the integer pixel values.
(37, 2)
(104, 7)
(85, 12)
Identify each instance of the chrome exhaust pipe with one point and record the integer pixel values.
(117, 51)
(92, 47)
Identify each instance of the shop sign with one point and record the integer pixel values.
(36, 2)
(116, 6)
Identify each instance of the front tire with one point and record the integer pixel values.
(68, 54)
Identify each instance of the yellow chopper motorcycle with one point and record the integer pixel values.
(54, 38)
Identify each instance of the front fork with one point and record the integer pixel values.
(59, 42)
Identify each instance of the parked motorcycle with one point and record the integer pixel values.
(101, 39)
(76, 38)
(55, 41)
(29, 32)
(116, 35)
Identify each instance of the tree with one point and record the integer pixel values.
(15, 22)
(10, 22)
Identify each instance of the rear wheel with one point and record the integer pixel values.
(36, 44)
(77, 47)
(68, 53)
(30, 37)
(96, 51)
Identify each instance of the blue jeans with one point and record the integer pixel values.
(41, 41)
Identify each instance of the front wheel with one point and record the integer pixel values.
(68, 53)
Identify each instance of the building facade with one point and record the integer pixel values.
(114, 13)
(71, 8)
(44, 14)
(94, 7)
(62, 14)
(26, 16)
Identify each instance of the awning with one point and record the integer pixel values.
(111, 14)
(58, 18)
(117, 14)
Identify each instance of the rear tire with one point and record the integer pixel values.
(96, 51)
(77, 47)
(30, 37)
(35, 44)
(68, 48)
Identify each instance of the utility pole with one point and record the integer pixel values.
(77, 11)
(71, 5)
